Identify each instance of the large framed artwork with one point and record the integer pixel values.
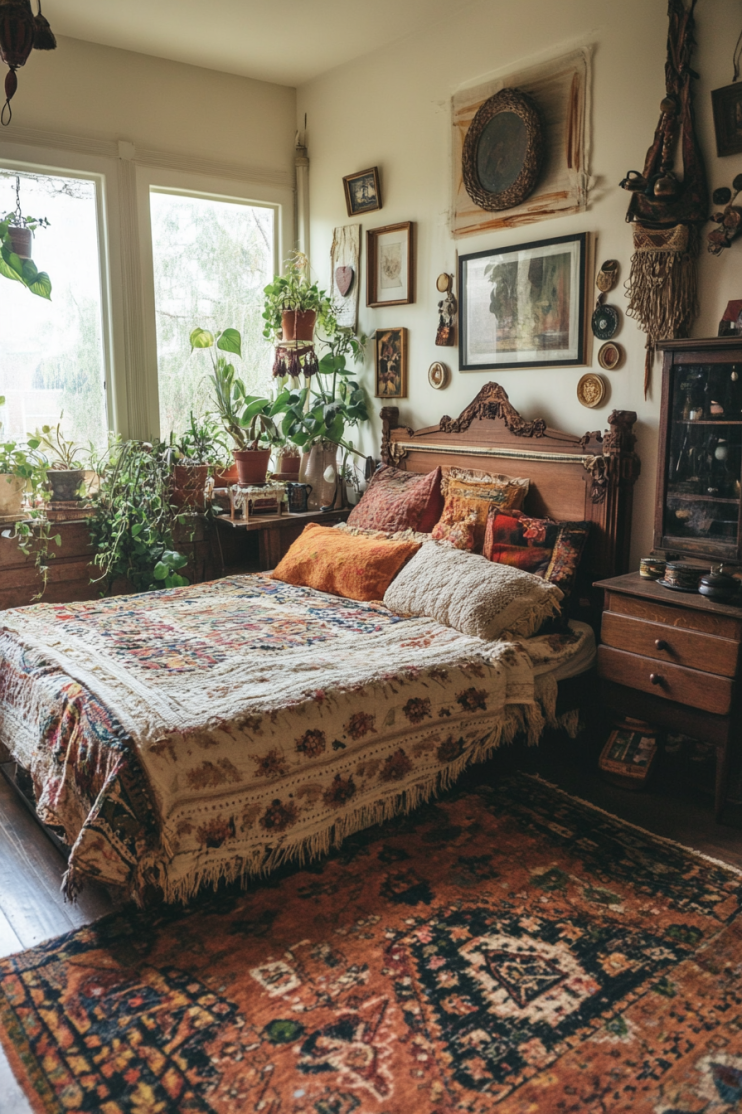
(391, 363)
(523, 306)
(390, 262)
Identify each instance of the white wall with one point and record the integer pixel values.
(392, 109)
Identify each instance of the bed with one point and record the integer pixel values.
(217, 731)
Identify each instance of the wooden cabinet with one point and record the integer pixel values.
(700, 450)
(674, 660)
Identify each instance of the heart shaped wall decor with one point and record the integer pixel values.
(344, 279)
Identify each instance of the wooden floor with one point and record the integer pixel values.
(31, 867)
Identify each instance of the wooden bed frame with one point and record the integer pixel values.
(589, 478)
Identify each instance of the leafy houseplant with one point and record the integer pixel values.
(248, 419)
(294, 305)
(67, 470)
(16, 233)
(199, 448)
(134, 523)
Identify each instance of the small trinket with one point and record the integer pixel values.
(652, 568)
(719, 585)
(681, 577)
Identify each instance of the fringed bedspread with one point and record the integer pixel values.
(216, 731)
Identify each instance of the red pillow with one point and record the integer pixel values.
(396, 500)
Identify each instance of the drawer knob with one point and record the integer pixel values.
(661, 644)
(656, 678)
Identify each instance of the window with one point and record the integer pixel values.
(212, 259)
(52, 353)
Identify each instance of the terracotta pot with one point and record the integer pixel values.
(189, 484)
(288, 465)
(312, 471)
(11, 494)
(21, 240)
(64, 483)
(252, 465)
(298, 324)
(226, 477)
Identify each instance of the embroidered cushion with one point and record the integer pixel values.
(471, 594)
(354, 567)
(465, 498)
(549, 549)
(396, 500)
(478, 476)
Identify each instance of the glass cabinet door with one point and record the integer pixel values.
(703, 458)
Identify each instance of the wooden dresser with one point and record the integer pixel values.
(673, 659)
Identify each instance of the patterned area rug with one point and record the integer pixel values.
(505, 949)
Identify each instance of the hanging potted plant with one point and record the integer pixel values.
(16, 239)
(67, 472)
(294, 306)
(248, 419)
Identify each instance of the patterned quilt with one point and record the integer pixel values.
(216, 731)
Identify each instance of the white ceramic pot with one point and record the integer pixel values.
(11, 494)
(314, 465)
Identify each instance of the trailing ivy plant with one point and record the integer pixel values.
(20, 270)
(133, 528)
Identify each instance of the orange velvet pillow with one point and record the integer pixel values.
(332, 561)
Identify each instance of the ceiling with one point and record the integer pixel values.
(286, 41)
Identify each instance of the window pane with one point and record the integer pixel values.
(212, 260)
(51, 353)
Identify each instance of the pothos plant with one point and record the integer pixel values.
(133, 528)
(294, 290)
(20, 270)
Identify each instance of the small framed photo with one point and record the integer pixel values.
(727, 104)
(523, 306)
(391, 363)
(362, 192)
(390, 265)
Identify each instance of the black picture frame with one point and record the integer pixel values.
(549, 330)
(727, 106)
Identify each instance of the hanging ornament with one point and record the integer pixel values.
(20, 32)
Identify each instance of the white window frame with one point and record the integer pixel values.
(150, 180)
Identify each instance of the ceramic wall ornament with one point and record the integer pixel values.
(591, 390)
(610, 356)
(445, 336)
(503, 151)
(344, 270)
(439, 376)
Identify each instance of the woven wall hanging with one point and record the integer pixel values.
(666, 210)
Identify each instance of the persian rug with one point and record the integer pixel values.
(507, 949)
(215, 731)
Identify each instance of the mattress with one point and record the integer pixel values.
(216, 731)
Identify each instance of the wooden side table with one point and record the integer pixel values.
(673, 659)
(270, 535)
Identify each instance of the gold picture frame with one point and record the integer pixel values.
(390, 359)
(390, 265)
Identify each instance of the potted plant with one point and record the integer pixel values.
(248, 419)
(294, 305)
(336, 404)
(16, 235)
(21, 470)
(67, 472)
(194, 454)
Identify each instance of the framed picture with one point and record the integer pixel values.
(391, 363)
(523, 306)
(362, 192)
(390, 265)
(727, 104)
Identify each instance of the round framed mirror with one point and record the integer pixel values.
(503, 151)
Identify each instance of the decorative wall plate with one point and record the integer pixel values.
(438, 375)
(503, 151)
(591, 390)
(610, 355)
(605, 322)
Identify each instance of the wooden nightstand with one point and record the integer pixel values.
(272, 534)
(673, 659)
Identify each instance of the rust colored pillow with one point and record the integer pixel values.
(353, 567)
(396, 500)
(465, 499)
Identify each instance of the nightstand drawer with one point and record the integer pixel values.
(704, 652)
(674, 614)
(672, 682)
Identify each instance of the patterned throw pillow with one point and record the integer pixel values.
(356, 568)
(538, 545)
(478, 476)
(461, 533)
(396, 500)
(466, 499)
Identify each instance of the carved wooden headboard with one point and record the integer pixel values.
(589, 478)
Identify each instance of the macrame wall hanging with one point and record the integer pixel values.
(666, 211)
